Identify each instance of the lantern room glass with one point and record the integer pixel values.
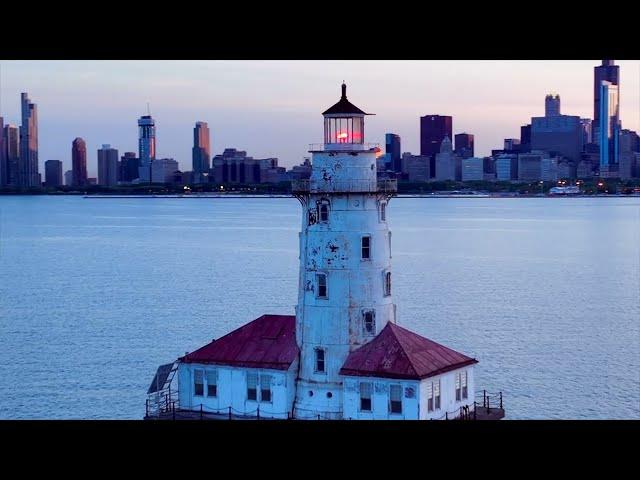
(344, 130)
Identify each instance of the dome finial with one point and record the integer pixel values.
(344, 90)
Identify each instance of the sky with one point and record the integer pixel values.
(273, 108)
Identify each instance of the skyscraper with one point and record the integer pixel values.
(392, 150)
(606, 72)
(28, 175)
(53, 173)
(11, 143)
(201, 151)
(552, 105)
(464, 145)
(107, 166)
(79, 162)
(129, 166)
(433, 129)
(609, 127)
(4, 169)
(146, 146)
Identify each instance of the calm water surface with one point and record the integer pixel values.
(96, 293)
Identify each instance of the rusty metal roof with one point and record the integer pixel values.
(399, 353)
(267, 342)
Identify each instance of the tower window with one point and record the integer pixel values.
(212, 383)
(369, 322)
(320, 360)
(383, 211)
(365, 396)
(395, 399)
(323, 211)
(387, 283)
(366, 248)
(321, 280)
(389, 244)
(198, 383)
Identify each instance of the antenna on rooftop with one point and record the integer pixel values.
(148, 109)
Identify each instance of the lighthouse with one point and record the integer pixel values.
(343, 355)
(345, 295)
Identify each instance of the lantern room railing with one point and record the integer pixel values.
(338, 147)
(337, 186)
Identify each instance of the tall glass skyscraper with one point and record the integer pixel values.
(79, 162)
(392, 149)
(609, 127)
(201, 151)
(146, 146)
(606, 72)
(433, 129)
(28, 174)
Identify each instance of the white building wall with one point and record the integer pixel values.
(232, 391)
(448, 402)
(380, 409)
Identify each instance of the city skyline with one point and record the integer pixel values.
(269, 107)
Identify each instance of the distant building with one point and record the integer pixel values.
(79, 162)
(4, 169)
(506, 166)
(107, 166)
(392, 150)
(586, 130)
(163, 170)
(608, 72)
(433, 129)
(201, 152)
(525, 138)
(129, 167)
(28, 175)
(549, 169)
(561, 134)
(566, 169)
(416, 167)
(511, 143)
(447, 163)
(529, 166)
(472, 169)
(234, 166)
(609, 129)
(92, 181)
(53, 173)
(552, 105)
(68, 178)
(11, 141)
(146, 146)
(629, 146)
(302, 171)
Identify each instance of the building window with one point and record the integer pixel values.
(395, 399)
(252, 386)
(389, 244)
(265, 388)
(366, 248)
(365, 396)
(321, 279)
(387, 283)
(212, 383)
(323, 211)
(461, 385)
(198, 383)
(320, 360)
(383, 211)
(433, 396)
(369, 322)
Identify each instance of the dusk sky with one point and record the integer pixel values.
(272, 108)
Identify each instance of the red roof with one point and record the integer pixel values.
(398, 353)
(266, 342)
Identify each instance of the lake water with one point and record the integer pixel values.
(96, 293)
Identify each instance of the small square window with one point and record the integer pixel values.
(321, 280)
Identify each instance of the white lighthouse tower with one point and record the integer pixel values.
(344, 297)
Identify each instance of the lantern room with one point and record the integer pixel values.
(344, 123)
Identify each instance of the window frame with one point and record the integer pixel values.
(372, 312)
(261, 383)
(383, 212)
(316, 351)
(195, 384)
(397, 386)
(255, 386)
(370, 398)
(386, 278)
(326, 286)
(215, 384)
(326, 204)
(364, 248)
